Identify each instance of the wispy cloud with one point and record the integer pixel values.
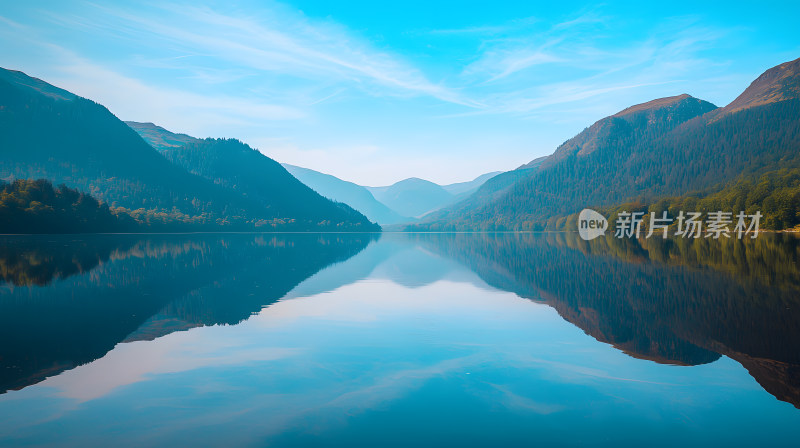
(504, 64)
(132, 99)
(283, 43)
(574, 61)
(524, 48)
(511, 26)
(568, 92)
(12, 24)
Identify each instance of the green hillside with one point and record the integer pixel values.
(664, 148)
(238, 167)
(49, 133)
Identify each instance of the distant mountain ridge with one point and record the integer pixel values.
(160, 138)
(492, 189)
(469, 187)
(356, 196)
(390, 204)
(412, 197)
(418, 197)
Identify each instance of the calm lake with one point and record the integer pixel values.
(398, 340)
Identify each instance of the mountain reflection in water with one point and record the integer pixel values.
(681, 301)
(140, 288)
(69, 301)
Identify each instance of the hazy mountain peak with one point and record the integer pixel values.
(780, 83)
(356, 196)
(413, 196)
(535, 163)
(21, 80)
(158, 137)
(470, 186)
(415, 182)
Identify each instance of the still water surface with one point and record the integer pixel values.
(398, 340)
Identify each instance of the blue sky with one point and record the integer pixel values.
(375, 92)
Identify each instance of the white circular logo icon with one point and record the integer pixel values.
(591, 224)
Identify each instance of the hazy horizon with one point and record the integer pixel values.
(374, 94)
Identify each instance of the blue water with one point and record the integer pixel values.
(402, 340)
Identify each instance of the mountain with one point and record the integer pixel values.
(780, 83)
(158, 137)
(665, 147)
(633, 125)
(418, 197)
(493, 188)
(535, 163)
(49, 133)
(770, 185)
(413, 197)
(349, 193)
(378, 203)
(235, 165)
(469, 187)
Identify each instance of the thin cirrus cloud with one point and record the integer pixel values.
(287, 44)
(133, 99)
(528, 44)
(565, 65)
(512, 26)
(511, 63)
(586, 47)
(136, 99)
